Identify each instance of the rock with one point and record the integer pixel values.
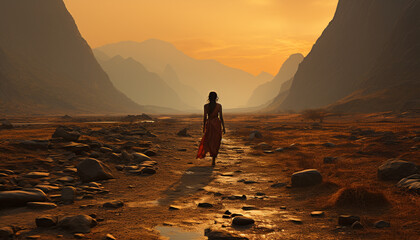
(66, 179)
(329, 160)
(19, 198)
(357, 225)
(306, 178)
(283, 207)
(255, 134)
(396, 169)
(41, 205)
(183, 133)
(106, 150)
(249, 182)
(347, 220)
(147, 170)
(249, 208)
(37, 175)
(6, 233)
(140, 157)
(79, 235)
(222, 235)
(33, 237)
(77, 147)
(150, 153)
(66, 134)
(78, 223)
(113, 204)
(296, 220)
(205, 205)
(279, 150)
(263, 146)
(68, 194)
(173, 207)
(278, 185)
(45, 221)
(109, 237)
(317, 214)
(91, 169)
(410, 183)
(34, 144)
(5, 124)
(382, 224)
(328, 144)
(237, 197)
(242, 221)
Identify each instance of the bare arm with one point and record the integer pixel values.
(204, 119)
(221, 119)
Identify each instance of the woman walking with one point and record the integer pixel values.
(213, 125)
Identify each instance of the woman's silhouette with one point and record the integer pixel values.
(212, 128)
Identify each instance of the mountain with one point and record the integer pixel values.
(268, 90)
(142, 86)
(47, 67)
(233, 86)
(369, 51)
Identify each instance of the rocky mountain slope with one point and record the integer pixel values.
(368, 53)
(47, 67)
(269, 90)
(142, 86)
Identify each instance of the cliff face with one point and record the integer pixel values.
(344, 56)
(47, 67)
(267, 91)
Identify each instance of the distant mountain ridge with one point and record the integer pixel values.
(47, 67)
(367, 59)
(269, 90)
(142, 86)
(234, 86)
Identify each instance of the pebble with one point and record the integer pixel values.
(296, 220)
(347, 220)
(242, 221)
(317, 214)
(37, 175)
(33, 237)
(79, 235)
(113, 204)
(41, 205)
(109, 237)
(382, 224)
(68, 194)
(45, 221)
(357, 225)
(205, 205)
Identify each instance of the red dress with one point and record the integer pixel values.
(212, 135)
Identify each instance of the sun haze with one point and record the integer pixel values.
(253, 35)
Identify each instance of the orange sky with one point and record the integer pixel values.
(253, 35)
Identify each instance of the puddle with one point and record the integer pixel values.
(176, 233)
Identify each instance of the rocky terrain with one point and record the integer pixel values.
(277, 176)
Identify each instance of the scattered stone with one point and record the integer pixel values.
(279, 150)
(47, 188)
(33, 237)
(249, 182)
(173, 207)
(357, 225)
(329, 160)
(306, 178)
(227, 212)
(140, 157)
(268, 152)
(109, 237)
(150, 153)
(396, 169)
(37, 175)
(6, 233)
(66, 179)
(222, 235)
(70, 170)
(347, 220)
(6, 124)
(91, 169)
(328, 144)
(263, 146)
(227, 174)
(260, 194)
(205, 205)
(255, 134)
(242, 221)
(34, 144)
(382, 224)
(237, 197)
(113, 204)
(17, 198)
(278, 185)
(68, 194)
(66, 134)
(410, 183)
(77, 147)
(105, 150)
(317, 214)
(78, 223)
(41, 205)
(79, 235)
(249, 208)
(296, 220)
(183, 133)
(283, 207)
(182, 149)
(45, 221)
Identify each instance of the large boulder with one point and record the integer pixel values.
(19, 198)
(90, 170)
(410, 183)
(306, 178)
(66, 134)
(77, 224)
(396, 169)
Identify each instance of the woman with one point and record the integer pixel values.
(212, 128)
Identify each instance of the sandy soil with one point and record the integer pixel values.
(242, 169)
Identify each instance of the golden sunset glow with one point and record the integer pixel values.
(253, 35)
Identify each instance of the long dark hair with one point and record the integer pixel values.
(212, 101)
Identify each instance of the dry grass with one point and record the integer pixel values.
(359, 197)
